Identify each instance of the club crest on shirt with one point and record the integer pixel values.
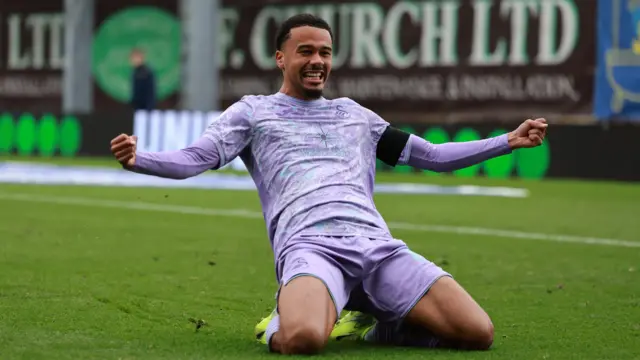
(342, 113)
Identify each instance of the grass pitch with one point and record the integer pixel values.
(85, 281)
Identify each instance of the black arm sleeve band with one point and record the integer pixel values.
(391, 144)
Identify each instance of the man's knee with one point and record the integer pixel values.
(302, 339)
(476, 333)
(451, 313)
(307, 314)
(481, 335)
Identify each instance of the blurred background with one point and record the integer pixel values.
(75, 72)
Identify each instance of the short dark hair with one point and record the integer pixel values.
(284, 31)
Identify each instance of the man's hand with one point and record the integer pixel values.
(123, 147)
(530, 133)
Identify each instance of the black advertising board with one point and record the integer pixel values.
(426, 57)
(606, 151)
(66, 135)
(31, 55)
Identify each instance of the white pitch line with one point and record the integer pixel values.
(513, 234)
(131, 205)
(242, 213)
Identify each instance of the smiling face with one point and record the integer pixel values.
(305, 60)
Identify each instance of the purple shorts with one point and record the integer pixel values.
(376, 276)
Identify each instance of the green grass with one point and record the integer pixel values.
(88, 282)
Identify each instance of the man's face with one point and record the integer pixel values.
(306, 59)
(136, 59)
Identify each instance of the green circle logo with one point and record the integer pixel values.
(6, 133)
(48, 135)
(26, 134)
(71, 136)
(154, 31)
(533, 163)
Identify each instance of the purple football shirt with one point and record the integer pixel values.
(313, 162)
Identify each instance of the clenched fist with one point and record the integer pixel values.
(530, 133)
(123, 147)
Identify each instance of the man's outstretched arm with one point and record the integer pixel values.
(193, 160)
(396, 147)
(454, 155)
(221, 142)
